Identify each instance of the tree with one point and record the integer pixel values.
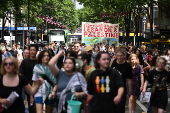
(8, 8)
(4, 12)
(61, 11)
(117, 11)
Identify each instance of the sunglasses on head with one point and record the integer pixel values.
(8, 63)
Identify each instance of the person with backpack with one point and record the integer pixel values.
(5, 53)
(149, 57)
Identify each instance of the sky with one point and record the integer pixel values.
(78, 6)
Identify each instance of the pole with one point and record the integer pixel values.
(10, 32)
(23, 38)
(46, 25)
(134, 41)
(144, 25)
(28, 17)
(144, 30)
(151, 21)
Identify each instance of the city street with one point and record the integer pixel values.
(142, 108)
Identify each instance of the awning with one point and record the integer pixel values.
(138, 39)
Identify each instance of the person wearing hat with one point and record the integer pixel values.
(88, 49)
(61, 59)
(14, 51)
(87, 68)
(62, 45)
(82, 47)
(19, 50)
(4, 52)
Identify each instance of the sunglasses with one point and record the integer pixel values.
(76, 46)
(8, 63)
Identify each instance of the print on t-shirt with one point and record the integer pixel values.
(118, 71)
(159, 81)
(102, 84)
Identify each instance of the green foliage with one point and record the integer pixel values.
(62, 11)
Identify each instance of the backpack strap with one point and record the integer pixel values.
(111, 62)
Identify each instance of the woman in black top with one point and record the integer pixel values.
(125, 69)
(159, 78)
(10, 81)
(139, 54)
(105, 86)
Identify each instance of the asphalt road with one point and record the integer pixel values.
(142, 107)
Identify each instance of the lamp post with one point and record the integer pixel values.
(144, 25)
(47, 19)
(108, 39)
(23, 38)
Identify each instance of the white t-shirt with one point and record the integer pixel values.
(19, 56)
(35, 77)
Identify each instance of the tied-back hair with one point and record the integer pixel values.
(41, 55)
(97, 65)
(14, 60)
(121, 50)
(85, 56)
(130, 57)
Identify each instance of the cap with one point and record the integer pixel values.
(62, 44)
(88, 48)
(2, 47)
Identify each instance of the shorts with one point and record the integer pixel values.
(39, 100)
(159, 100)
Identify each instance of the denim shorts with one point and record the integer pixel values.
(39, 100)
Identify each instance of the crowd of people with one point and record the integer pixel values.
(101, 76)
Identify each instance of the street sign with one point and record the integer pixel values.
(9, 38)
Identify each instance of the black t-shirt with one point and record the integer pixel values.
(159, 78)
(127, 55)
(14, 53)
(124, 69)
(26, 68)
(103, 85)
(18, 105)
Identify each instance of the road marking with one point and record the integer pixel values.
(142, 106)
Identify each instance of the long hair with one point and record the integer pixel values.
(121, 50)
(130, 57)
(14, 60)
(97, 65)
(41, 55)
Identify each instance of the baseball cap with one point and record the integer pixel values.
(88, 48)
(2, 47)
